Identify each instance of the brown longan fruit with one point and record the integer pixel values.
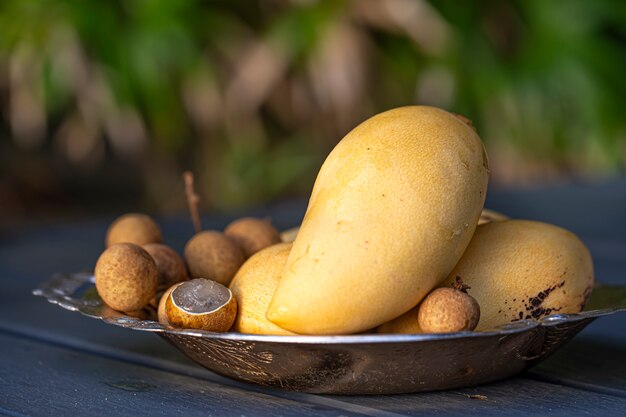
(210, 254)
(126, 277)
(170, 265)
(447, 310)
(135, 228)
(252, 234)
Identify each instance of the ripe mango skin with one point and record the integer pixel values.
(253, 286)
(519, 269)
(486, 216)
(392, 210)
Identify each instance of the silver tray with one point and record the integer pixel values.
(355, 364)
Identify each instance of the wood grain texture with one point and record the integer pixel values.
(588, 363)
(512, 397)
(184, 368)
(39, 379)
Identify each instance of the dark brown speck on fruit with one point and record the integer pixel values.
(534, 305)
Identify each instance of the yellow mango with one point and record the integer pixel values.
(518, 269)
(253, 286)
(392, 210)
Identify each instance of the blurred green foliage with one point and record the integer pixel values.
(252, 95)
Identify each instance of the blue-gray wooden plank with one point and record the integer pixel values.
(512, 397)
(39, 379)
(75, 381)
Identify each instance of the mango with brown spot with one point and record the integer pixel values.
(520, 269)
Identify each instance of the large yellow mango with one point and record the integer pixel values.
(518, 269)
(393, 208)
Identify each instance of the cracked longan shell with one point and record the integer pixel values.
(161, 310)
(126, 277)
(170, 265)
(135, 228)
(447, 310)
(210, 254)
(252, 234)
(218, 320)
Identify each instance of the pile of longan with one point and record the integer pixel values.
(137, 272)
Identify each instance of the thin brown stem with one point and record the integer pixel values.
(459, 285)
(192, 200)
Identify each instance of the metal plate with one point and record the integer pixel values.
(355, 364)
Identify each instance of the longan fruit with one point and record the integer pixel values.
(170, 265)
(210, 254)
(252, 234)
(135, 228)
(126, 277)
(447, 310)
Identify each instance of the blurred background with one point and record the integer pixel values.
(103, 105)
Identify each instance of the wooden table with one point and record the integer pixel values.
(55, 362)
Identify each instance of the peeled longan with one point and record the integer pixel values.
(126, 277)
(169, 264)
(447, 310)
(252, 234)
(135, 228)
(210, 254)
